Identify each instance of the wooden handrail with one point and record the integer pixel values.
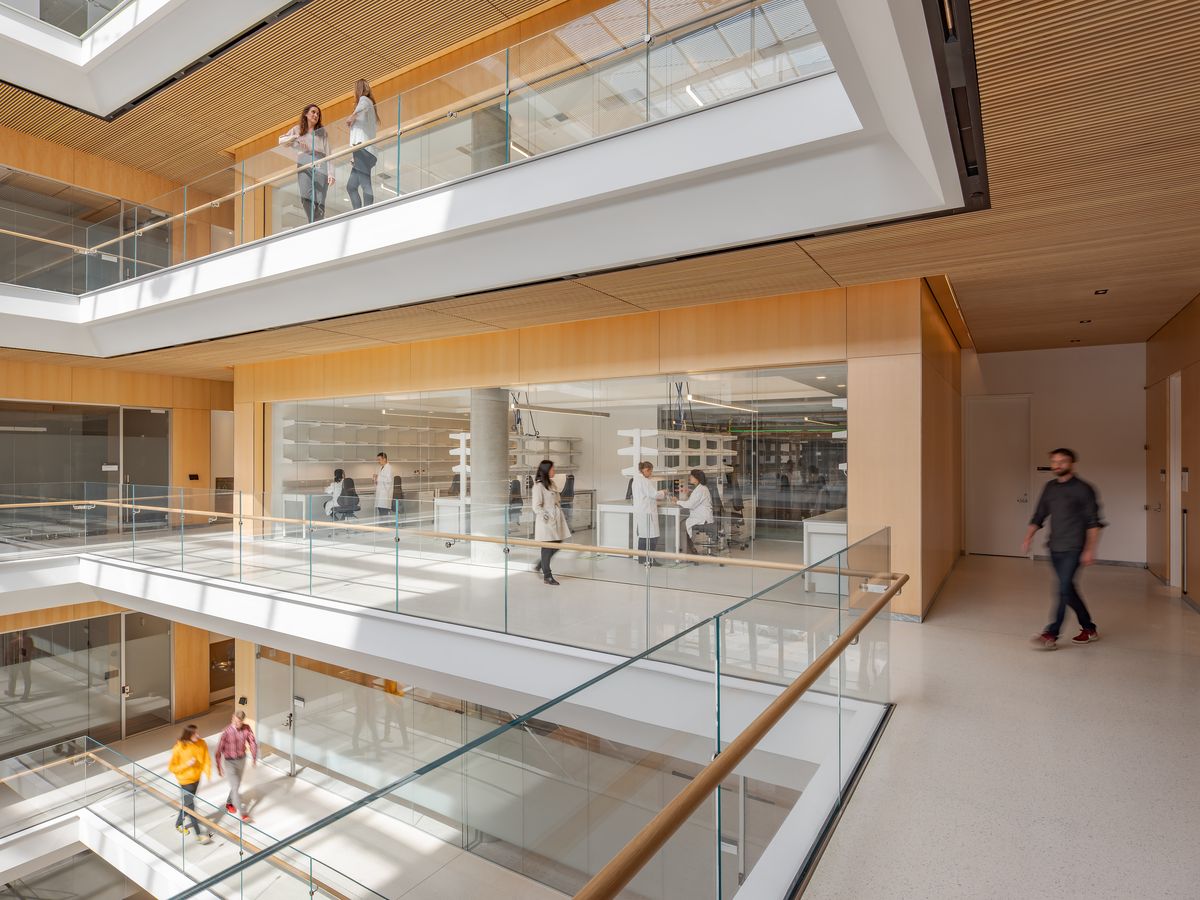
(624, 867)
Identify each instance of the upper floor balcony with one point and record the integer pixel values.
(641, 131)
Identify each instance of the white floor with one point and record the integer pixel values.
(1007, 772)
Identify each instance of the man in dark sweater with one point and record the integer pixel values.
(1074, 513)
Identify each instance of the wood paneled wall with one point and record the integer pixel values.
(1176, 348)
(48, 382)
(243, 677)
(191, 661)
(72, 612)
(904, 387)
(905, 426)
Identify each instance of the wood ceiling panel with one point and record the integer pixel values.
(742, 274)
(539, 304)
(403, 324)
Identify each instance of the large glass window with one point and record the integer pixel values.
(770, 444)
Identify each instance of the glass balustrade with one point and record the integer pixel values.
(553, 793)
(627, 64)
(76, 17)
(475, 565)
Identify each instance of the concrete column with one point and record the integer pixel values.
(489, 469)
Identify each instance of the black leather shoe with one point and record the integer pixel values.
(551, 580)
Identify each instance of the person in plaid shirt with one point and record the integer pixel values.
(236, 740)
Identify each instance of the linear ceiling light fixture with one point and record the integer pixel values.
(693, 398)
(24, 429)
(528, 407)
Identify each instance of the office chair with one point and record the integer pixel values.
(348, 503)
(455, 484)
(629, 490)
(515, 504)
(712, 538)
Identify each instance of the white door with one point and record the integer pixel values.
(997, 473)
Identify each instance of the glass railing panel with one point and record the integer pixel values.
(39, 251)
(766, 643)
(212, 215)
(455, 125)
(76, 17)
(579, 81)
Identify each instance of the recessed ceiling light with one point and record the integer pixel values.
(822, 377)
(1101, 291)
(841, 385)
(1085, 321)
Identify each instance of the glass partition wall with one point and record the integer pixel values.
(770, 446)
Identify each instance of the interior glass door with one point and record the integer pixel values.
(146, 690)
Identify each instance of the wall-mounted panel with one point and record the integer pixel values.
(883, 319)
(476, 360)
(596, 348)
(797, 328)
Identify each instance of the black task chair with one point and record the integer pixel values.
(455, 484)
(348, 503)
(515, 504)
(629, 490)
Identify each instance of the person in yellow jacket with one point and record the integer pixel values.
(189, 761)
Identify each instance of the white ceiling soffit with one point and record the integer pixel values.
(139, 46)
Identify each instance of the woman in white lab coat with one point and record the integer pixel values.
(549, 523)
(334, 491)
(698, 503)
(645, 510)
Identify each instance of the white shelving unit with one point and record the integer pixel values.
(525, 451)
(675, 453)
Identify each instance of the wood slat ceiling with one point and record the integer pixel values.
(312, 54)
(1091, 120)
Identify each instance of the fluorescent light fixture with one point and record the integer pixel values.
(24, 429)
(841, 385)
(692, 94)
(693, 398)
(819, 422)
(518, 149)
(822, 377)
(555, 409)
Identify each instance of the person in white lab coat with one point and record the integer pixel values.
(334, 491)
(645, 510)
(549, 523)
(698, 502)
(384, 481)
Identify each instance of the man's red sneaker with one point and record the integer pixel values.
(1086, 636)
(1044, 641)
(229, 808)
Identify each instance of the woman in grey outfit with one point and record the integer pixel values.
(311, 144)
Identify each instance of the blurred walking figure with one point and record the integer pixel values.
(18, 659)
(363, 122)
(1070, 504)
(236, 742)
(190, 761)
(393, 711)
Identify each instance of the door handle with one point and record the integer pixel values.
(1157, 507)
(1024, 498)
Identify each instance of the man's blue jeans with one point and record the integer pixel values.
(1066, 564)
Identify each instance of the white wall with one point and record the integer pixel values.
(1090, 399)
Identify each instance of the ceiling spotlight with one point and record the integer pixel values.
(1101, 291)
(1085, 321)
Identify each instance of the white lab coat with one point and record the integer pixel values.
(549, 522)
(384, 481)
(334, 491)
(645, 506)
(699, 506)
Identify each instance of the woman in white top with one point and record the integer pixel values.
(645, 510)
(698, 503)
(363, 123)
(549, 523)
(334, 491)
(310, 143)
